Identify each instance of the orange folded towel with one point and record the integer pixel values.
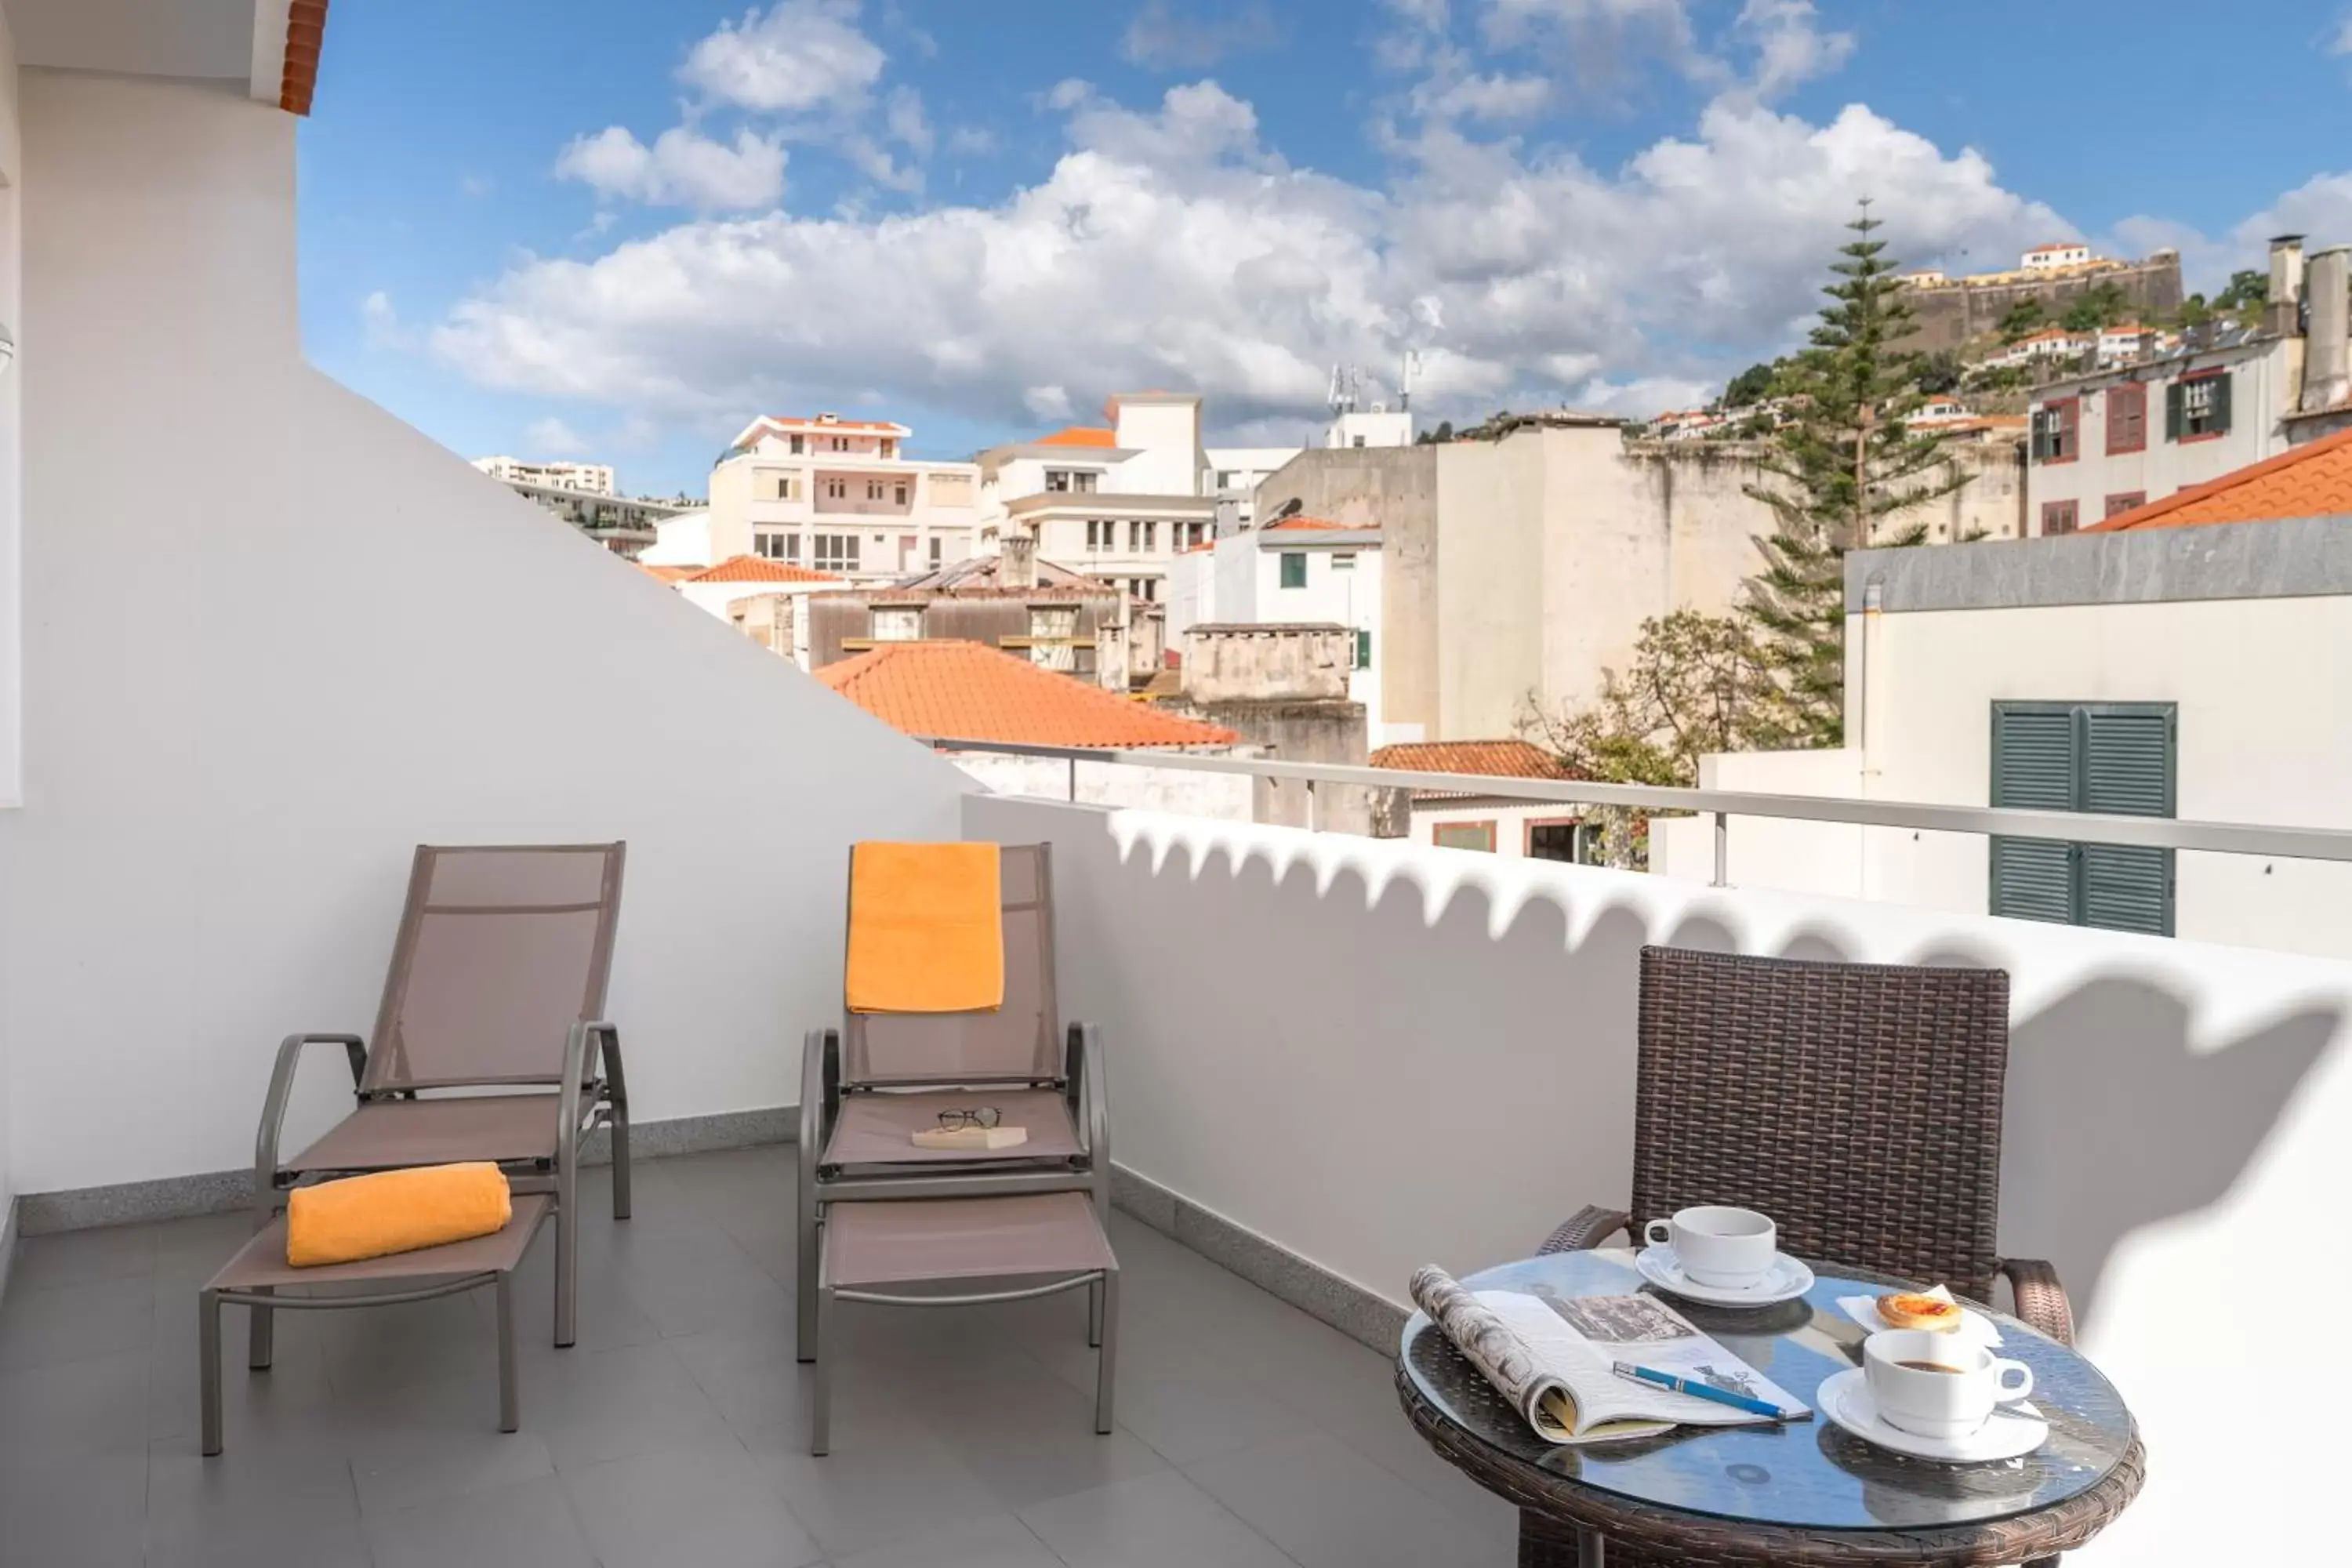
(926, 929)
(393, 1211)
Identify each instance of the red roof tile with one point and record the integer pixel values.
(967, 690)
(759, 569)
(1079, 436)
(1501, 759)
(2311, 480)
(1304, 523)
(306, 33)
(666, 574)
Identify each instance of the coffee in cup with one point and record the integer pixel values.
(1717, 1245)
(1934, 1386)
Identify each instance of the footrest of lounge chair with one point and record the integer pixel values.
(1010, 1247)
(259, 1272)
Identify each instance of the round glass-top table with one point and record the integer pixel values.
(1805, 1493)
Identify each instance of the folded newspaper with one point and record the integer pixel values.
(1551, 1357)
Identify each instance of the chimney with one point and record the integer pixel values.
(2327, 352)
(1111, 650)
(1018, 566)
(2282, 312)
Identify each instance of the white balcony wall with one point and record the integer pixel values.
(252, 687)
(1376, 1054)
(12, 621)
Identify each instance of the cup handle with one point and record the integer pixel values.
(1656, 1233)
(2001, 1372)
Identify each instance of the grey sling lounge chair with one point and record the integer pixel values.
(867, 1087)
(497, 983)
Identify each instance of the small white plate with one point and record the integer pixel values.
(2012, 1431)
(1787, 1280)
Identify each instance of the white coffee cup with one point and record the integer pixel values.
(1717, 1245)
(1938, 1386)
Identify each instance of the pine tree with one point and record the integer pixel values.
(1845, 464)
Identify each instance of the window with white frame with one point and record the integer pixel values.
(897, 623)
(936, 542)
(873, 489)
(787, 487)
(898, 493)
(837, 489)
(835, 551)
(777, 546)
(1100, 535)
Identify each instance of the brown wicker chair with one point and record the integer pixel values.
(1858, 1104)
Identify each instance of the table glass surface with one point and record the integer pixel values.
(1808, 1474)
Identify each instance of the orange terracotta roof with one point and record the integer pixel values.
(1311, 523)
(759, 569)
(666, 574)
(2311, 480)
(306, 33)
(1079, 436)
(1502, 759)
(967, 690)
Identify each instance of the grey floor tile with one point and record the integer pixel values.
(280, 1500)
(1177, 1398)
(83, 1257)
(1330, 1507)
(436, 1442)
(372, 1351)
(1033, 1438)
(704, 1504)
(74, 1322)
(525, 1524)
(883, 1482)
(73, 1511)
(294, 1393)
(94, 1407)
(1151, 1521)
(998, 1541)
(609, 1405)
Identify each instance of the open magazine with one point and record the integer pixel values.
(1551, 1357)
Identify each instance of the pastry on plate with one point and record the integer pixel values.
(1911, 1310)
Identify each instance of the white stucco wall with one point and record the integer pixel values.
(1511, 820)
(1224, 797)
(1775, 852)
(245, 708)
(681, 540)
(11, 497)
(2175, 1107)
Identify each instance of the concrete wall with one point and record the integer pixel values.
(1229, 662)
(1298, 731)
(229, 754)
(1950, 314)
(2174, 1108)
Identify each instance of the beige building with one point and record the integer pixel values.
(841, 496)
(2192, 660)
(1518, 569)
(1117, 501)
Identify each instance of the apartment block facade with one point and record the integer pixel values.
(590, 479)
(841, 496)
(1118, 503)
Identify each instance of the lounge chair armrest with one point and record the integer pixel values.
(281, 1089)
(1084, 1064)
(820, 1081)
(1588, 1226)
(2041, 1299)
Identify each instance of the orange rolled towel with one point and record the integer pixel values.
(393, 1211)
(926, 929)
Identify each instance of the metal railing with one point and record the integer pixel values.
(2081, 828)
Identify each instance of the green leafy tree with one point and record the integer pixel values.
(1697, 683)
(2246, 292)
(1842, 471)
(2102, 306)
(1753, 385)
(1940, 373)
(2023, 319)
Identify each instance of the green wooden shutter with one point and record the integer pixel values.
(2172, 412)
(2127, 771)
(2034, 768)
(2220, 403)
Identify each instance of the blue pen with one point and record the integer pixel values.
(1698, 1390)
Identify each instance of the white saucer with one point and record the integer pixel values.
(2011, 1431)
(1787, 1280)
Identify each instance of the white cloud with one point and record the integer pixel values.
(683, 168)
(1600, 43)
(970, 141)
(2342, 44)
(906, 122)
(551, 437)
(799, 57)
(1172, 246)
(380, 324)
(1791, 47)
(1493, 97)
(1166, 36)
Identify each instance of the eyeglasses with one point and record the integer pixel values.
(985, 1116)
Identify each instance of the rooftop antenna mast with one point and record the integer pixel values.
(1347, 388)
(1404, 379)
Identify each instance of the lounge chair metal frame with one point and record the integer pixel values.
(591, 1086)
(1075, 1073)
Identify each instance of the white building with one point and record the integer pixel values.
(1234, 473)
(1378, 426)
(841, 496)
(1299, 571)
(2061, 253)
(681, 540)
(1118, 501)
(590, 478)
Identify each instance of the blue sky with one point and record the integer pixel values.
(620, 228)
